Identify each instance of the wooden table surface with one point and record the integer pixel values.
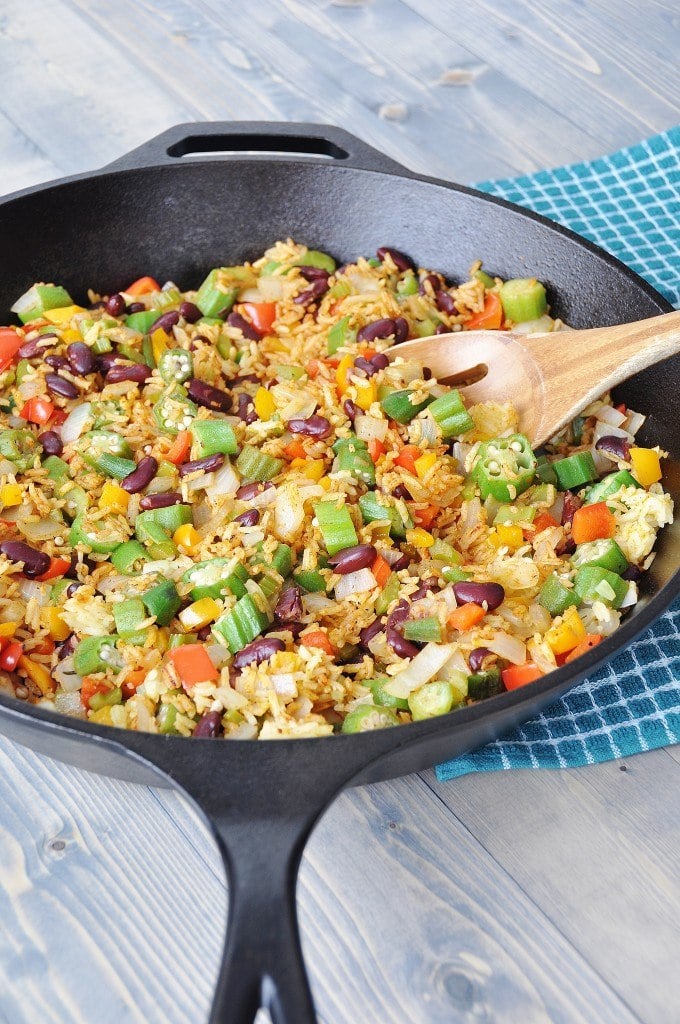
(514, 897)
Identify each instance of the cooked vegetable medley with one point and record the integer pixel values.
(225, 512)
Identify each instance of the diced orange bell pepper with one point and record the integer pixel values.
(180, 448)
(58, 566)
(37, 410)
(317, 638)
(142, 286)
(543, 521)
(375, 449)
(134, 679)
(593, 522)
(426, 516)
(91, 686)
(465, 617)
(589, 641)
(490, 318)
(407, 458)
(10, 343)
(193, 665)
(519, 675)
(295, 449)
(381, 570)
(261, 315)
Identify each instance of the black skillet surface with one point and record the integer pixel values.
(155, 213)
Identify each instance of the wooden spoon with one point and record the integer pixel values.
(549, 378)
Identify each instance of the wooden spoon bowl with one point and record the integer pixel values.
(548, 378)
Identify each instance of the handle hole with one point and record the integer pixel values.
(263, 145)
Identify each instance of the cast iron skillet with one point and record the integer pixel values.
(155, 213)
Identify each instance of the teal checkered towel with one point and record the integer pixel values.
(629, 203)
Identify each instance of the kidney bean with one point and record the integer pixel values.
(209, 726)
(619, 447)
(491, 594)
(81, 358)
(400, 260)
(425, 588)
(368, 632)
(289, 605)
(404, 648)
(140, 477)
(313, 426)
(361, 556)
(366, 365)
(115, 305)
(442, 329)
(257, 651)
(427, 373)
(314, 273)
(572, 503)
(208, 396)
(289, 627)
(72, 587)
(566, 546)
(400, 491)
(31, 348)
(476, 658)
(435, 282)
(244, 378)
(135, 307)
(246, 329)
(205, 465)
(60, 386)
(246, 409)
(401, 330)
(317, 290)
(249, 518)
(66, 649)
(445, 303)
(51, 443)
(401, 563)
(106, 361)
(166, 321)
(351, 409)
(633, 573)
(190, 312)
(56, 362)
(249, 491)
(380, 360)
(164, 500)
(136, 372)
(35, 562)
(384, 328)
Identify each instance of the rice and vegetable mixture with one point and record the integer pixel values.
(225, 512)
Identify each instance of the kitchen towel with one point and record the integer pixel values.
(628, 203)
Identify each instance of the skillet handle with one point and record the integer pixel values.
(274, 140)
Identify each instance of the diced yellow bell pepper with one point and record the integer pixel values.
(187, 538)
(342, 372)
(313, 469)
(326, 483)
(159, 343)
(102, 716)
(10, 495)
(265, 407)
(565, 635)
(275, 344)
(51, 618)
(8, 628)
(646, 465)
(425, 463)
(114, 498)
(367, 394)
(510, 536)
(200, 613)
(69, 335)
(419, 538)
(63, 315)
(38, 674)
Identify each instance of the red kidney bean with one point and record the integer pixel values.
(361, 556)
(56, 362)
(400, 491)
(442, 329)
(289, 605)
(136, 372)
(257, 651)
(246, 329)
(401, 330)
(51, 443)
(35, 562)
(572, 503)
(140, 477)
(209, 396)
(476, 658)
(435, 283)
(619, 447)
(445, 303)
(401, 563)
(106, 361)
(314, 273)
(351, 409)
(633, 573)
(491, 594)
(317, 290)
(115, 305)
(244, 378)
(60, 386)
(289, 627)
(367, 366)
(380, 360)
(425, 588)
(166, 321)
(205, 465)
(368, 632)
(249, 491)
(66, 649)
(384, 328)
(72, 587)
(566, 546)
(190, 312)
(313, 426)
(164, 500)
(400, 260)
(246, 409)
(31, 348)
(135, 307)
(249, 518)
(209, 726)
(427, 373)
(81, 358)
(404, 648)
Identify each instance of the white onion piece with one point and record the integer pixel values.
(30, 388)
(542, 325)
(74, 424)
(69, 704)
(263, 498)
(44, 529)
(540, 617)
(202, 514)
(224, 481)
(608, 414)
(284, 684)
(631, 596)
(447, 597)
(30, 589)
(112, 582)
(7, 468)
(557, 508)
(420, 670)
(66, 675)
(603, 464)
(455, 664)
(607, 430)
(244, 731)
(369, 427)
(270, 288)
(634, 421)
(16, 421)
(289, 512)
(391, 555)
(218, 654)
(250, 295)
(364, 284)
(316, 603)
(508, 647)
(354, 583)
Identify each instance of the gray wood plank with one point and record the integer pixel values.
(596, 849)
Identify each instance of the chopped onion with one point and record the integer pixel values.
(557, 508)
(354, 583)
(540, 617)
(250, 295)
(455, 664)
(202, 514)
(224, 481)
(30, 589)
(30, 389)
(603, 464)
(420, 670)
(634, 421)
(608, 414)
(391, 555)
(218, 654)
(112, 582)
(460, 451)
(66, 675)
(316, 603)
(369, 427)
(7, 468)
(284, 684)
(69, 704)
(631, 596)
(289, 512)
(244, 731)
(447, 597)
(270, 288)
(44, 529)
(263, 498)
(74, 424)
(508, 647)
(606, 430)
(542, 325)
(364, 284)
